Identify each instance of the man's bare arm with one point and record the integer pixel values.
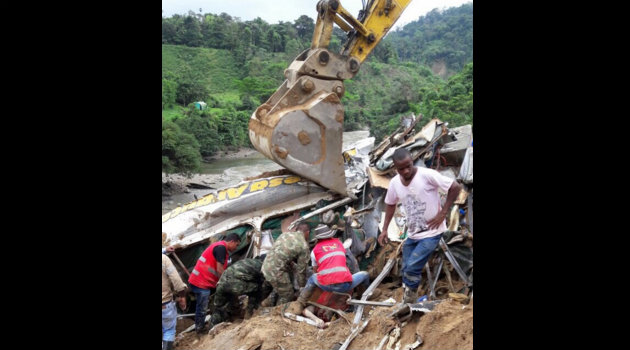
(452, 194)
(389, 214)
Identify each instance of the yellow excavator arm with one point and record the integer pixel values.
(300, 126)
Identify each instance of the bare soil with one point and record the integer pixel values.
(448, 326)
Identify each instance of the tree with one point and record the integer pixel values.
(385, 52)
(180, 150)
(191, 90)
(204, 127)
(192, 32)
(169, 93)
(168, 31)
(293, 48)
(304, 26)
(275, 41)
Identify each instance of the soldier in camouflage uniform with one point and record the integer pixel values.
(289, 247)
(241, 278)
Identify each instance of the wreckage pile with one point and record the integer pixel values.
(446, 324)
(260, 209)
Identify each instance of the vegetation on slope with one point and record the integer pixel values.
(235, 66)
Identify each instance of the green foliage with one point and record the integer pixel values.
(173, 112)
(453, 102)
(304, 27)
(293, 48)
(191, 90)
(204, 127)
(439, 36)
(169, 89)
(180, 150)
(235, 66)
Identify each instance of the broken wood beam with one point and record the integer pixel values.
(393, 337)
(382, 342)
(370, 303)
(373, 285)
(449, 279)
(181, 264)
(429, 279)
(353, 335)
(438, 269)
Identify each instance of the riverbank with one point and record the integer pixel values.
(173, 184)
(225, 169)
(242, 152)
(233, 166)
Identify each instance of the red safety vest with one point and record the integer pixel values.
(330, 256)
(205, 274)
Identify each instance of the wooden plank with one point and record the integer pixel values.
(373, 285)
(377, 180)
(353, 335)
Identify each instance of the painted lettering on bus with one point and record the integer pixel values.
(232, 193)
(258, 185)
(275, 182)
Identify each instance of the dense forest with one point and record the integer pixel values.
(233, 66)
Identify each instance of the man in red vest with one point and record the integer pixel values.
(331, 273)
(204, 277)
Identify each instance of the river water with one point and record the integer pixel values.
(221, 173)
(218, 166)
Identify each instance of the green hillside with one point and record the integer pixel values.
(215, 68)
(438, 37)
(235, 66)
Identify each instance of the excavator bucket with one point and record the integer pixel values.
(300, 126)
(303, 131)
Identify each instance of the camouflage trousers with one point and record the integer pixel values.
(226, 301)
(283, 285)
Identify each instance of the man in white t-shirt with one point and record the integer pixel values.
(417, 189)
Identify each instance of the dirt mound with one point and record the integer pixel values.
(448, 326)
(267, 330)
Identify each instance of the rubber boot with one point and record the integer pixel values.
(411, 295)
(167, 345)
(298, 306)
(270, 301)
